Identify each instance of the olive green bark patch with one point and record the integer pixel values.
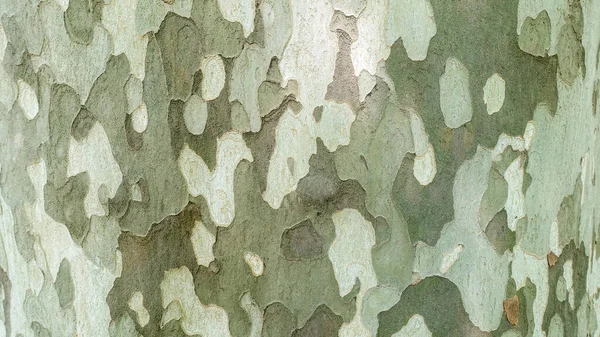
(493, 199)
(145, 260)
(425, 208)
(569, 315)
(445, 317)
(498, 233)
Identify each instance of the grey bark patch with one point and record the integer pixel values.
(134, 139)
(322, 182)
(79, 21)
(323, 323)
(64, 107)
(65, 204)
(64, 284)
(342, 22)
(82, 124)
(318, 113)
(278, 321)
(145, 259)
(274, 73)
(23, 237)
(291, 164)
(301, 242)
(6, 285)
(535, 35)
(39, 330)
(382, 231)
(344, 87)
(570, 52)
(180, 45)
(262, 144)
(258, 34)
(173, 329)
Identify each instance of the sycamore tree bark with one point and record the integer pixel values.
(269, 168)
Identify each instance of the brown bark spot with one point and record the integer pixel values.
(511, 308)
(552, 258)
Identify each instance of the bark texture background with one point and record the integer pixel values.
(269, 168)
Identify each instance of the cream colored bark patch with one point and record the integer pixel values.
(420, 137)
(119, 19)
(17, 270)
(295, 139)
(254, 314)
(515, 201)
(366, 83)
(493, 93)
(455, 97)
(216, 186)
(414, 22)
(257, 267)
(557, 12)
(334, 126)
(8, 89)
(424, 167)
(134, 90)
(241, 11)
(136, 303)
(349, 7)
(213, 77)
(202, 243)
(415, 327)
(195, 114)
(310, 55)
(205, 320)
(54, 243)
(94, 156)
(350, 255)
(528, 266)
(249, 71)
(27, 100)
(370, 47)
(64, 55)
(568, 275)
(449, 258)
(139, 118)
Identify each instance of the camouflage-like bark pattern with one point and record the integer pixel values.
(278, 168)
